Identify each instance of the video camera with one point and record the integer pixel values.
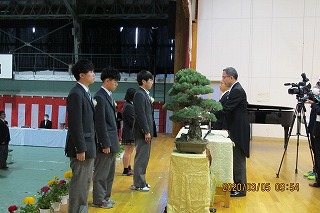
(302, 89)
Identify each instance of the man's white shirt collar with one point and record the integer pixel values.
(84, 87)
(145, 90)
(105, 89)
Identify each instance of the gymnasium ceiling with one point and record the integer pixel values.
(84, 9)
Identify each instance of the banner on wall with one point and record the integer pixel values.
(6, 66)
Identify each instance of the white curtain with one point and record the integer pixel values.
(35, 116)
(21, 115)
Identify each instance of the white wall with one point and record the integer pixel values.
(269, 42)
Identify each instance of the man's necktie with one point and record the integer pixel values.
(89, 94)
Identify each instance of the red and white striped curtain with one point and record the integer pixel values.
(30, 110)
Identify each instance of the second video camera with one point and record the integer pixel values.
(301, 88)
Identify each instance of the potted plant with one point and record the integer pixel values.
(63, 186)
(190, 108)
(44, 200)
(29, 206)
(55, 193)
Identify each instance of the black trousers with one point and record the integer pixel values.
(316, 153)
(3, 155)
(239, 166)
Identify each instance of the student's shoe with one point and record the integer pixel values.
(316, 185)
(308, 173)
(141, 189)
(148, 185)
(111, 201)
(130, 172)
(103, 205)
(312, 177)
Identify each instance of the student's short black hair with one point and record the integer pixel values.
(46, 115)
(2, 112)
(110, 73)
(144, 75)
(82, 66)
(130, 94)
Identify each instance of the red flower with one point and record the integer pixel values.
(12, 208)
(62, 182)
(45, 189)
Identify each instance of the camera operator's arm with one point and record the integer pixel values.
(316, 108)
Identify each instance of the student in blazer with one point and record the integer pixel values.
(143, 130)
(81, 137)
(108, 140)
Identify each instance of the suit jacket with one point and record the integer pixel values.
(106, 122)
(315, 131)
(47, 125)
(4, 133)
(128, 119)
(312, 117)
(235, 111)
(81, 136)
(143, 122)
(221, 123)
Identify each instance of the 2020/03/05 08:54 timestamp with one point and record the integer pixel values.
(260, 187)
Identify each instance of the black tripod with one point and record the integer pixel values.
(300, 110)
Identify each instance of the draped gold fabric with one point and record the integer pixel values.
(189, 183)
(221, 150)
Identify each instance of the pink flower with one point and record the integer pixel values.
(12, 208)
(45, 189)
(62, 182)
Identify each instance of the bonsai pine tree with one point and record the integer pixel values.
(187, 104)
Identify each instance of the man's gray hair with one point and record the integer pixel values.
(231, 72)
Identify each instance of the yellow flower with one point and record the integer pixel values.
(68, 174)
(51, 182)
(28, 200)
(55, 178)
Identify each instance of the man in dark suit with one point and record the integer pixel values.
(221, 123)
(314, 130)
(235, 112)
(143, 130)
(4, 140)
(46, 123)
(81, 137)
(108, 140)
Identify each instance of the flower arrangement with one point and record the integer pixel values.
(44, 200)
(47, 195)
(29, 206)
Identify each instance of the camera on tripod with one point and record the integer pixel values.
(302, 90)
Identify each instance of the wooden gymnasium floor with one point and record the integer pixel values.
(262, 168)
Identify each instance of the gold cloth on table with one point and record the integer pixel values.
(221, 150)
(189, 183)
